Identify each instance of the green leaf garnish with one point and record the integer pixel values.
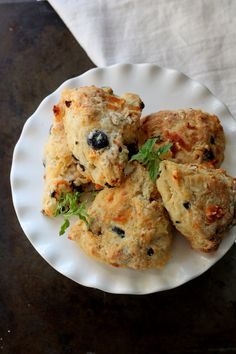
(64, 226)
(164, 149)
(69, 205)
(151, 157)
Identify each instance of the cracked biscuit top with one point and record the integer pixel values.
(197, 137)
(129, 226)
(200, 202)
(100, 127)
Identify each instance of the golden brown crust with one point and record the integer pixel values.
(127, 229)
(90, 109)
(200, 202)
(62, 171)
(197, 137)
(129, 226)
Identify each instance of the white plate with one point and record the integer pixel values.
(159, 88)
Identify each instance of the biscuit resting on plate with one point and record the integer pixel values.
(197, 137)
(100, 127)
(62, 172)
(128, 228)
(200, 202)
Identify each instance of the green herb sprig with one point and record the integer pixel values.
(69, 205)
(151, 157)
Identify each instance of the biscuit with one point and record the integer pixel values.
(62, 172)
(128, 228)
(197, 137)
(200, 202)
(99, 128)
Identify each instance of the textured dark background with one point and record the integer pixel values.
(41, 311)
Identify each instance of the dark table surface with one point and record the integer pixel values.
(43, 312)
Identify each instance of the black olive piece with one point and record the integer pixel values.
(99, 232)
(120, 149)
(76, 188)
(187, 205)
(177, 222)
(108, 185)
(212, 140)
(68, 103)
(118, 231)
(208, 155)
(132, 148)
(141, 105)
(97, 139)
(150, 252)
(76, 142)
(53, 194)
(81, 166)
(75, 157)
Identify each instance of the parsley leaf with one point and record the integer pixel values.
(151, 157)
(69, 205)
(164, 149)
(144, 152)
(64, 226)
(153, 169)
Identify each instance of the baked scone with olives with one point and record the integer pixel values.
(62, 173)
(197, 137)
(129, 226)
(200, 202)
(100, 127)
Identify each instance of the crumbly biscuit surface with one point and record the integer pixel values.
(90, 144)
(200, 202)
(99, 129)
(127, 227)
(62, 172)
(197, 137)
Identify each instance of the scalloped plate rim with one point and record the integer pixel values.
(21, 137)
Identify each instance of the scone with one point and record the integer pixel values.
(100, 127)
(200, 202)
(128, 228)
(197, 137)
(62, 172)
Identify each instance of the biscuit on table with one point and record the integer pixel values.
(100, 127)
(197, 137)
(129, 226)
(62, 171)
(200, 202)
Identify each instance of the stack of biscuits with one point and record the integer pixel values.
(132, 217)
